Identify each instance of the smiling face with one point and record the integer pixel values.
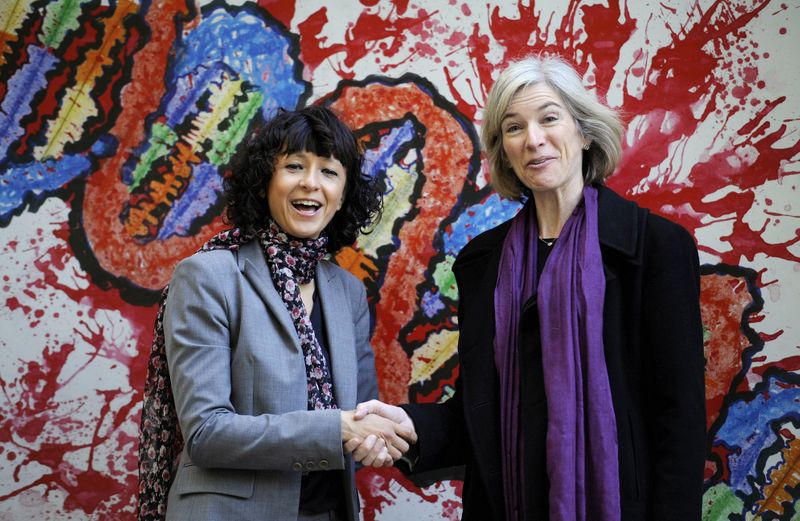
(305, 192)
(542, 142)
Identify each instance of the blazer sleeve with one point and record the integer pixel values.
(673, 342)
(197, 328)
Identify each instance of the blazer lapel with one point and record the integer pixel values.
(254, 267)
(341, 337)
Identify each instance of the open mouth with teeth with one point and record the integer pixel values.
(306, 206)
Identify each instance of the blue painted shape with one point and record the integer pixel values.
(250, 47)
(188, 90)
(431, 303)
(380, 159)
(476, 219)
(747, 433)
(22, 87)
(202, 192)
(38, 179)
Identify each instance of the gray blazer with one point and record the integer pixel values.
(240, 386)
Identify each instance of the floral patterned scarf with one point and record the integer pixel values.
(292, 262)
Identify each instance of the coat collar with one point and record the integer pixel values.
(619, 224)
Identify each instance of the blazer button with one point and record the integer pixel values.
(297, 466)
(323, 464)
(310, 465)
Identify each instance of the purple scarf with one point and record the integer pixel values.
(291, 262)
(582, 463)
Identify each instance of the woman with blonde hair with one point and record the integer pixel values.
(581, 392)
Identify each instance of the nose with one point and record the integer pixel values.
(535, 137)
(310, 180)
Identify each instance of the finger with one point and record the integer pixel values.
(362, 451)
(387, 460)
(394, 452)
(370, 458)
(365, 408)
(408, 434)
(399, 443)
(352, 445)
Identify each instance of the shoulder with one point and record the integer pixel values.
(668, 246)
(623, 222)
(352, 285)
(205, 266)
(483, 243)
(663, 229)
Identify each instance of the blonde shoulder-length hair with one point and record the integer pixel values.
(598, 124)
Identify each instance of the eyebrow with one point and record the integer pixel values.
(540, 108)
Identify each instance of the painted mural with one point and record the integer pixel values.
(118, 119)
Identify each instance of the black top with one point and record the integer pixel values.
(321, 491)
(533, 403)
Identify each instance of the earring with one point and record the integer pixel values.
(586, 146)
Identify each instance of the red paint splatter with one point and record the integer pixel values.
(370, 30)
(373, 484)
(790, 364)
(281, 10)
(605, 36)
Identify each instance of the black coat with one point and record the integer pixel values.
(653, 343)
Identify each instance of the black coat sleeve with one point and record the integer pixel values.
(672, 343)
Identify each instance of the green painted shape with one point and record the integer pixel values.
(162, 138)
(60, 18)
(719, 502)
(444, 278)
(227, 140)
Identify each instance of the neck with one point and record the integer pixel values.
(553, 209)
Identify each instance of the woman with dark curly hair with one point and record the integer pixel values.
(267, 343)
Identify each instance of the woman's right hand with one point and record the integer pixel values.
(375, 440)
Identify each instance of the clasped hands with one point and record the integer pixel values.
(377, 434)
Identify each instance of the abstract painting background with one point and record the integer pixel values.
(117, 120)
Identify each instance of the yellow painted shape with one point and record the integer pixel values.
(396, 205)
(438, 349)
(221, 100)
(78, 105)
(11, 18)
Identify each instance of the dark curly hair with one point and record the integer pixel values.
(313, 129)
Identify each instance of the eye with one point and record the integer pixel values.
(550, 118)
(512, 127)
(329, 172)
(294, 166)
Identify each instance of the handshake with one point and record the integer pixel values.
(377, 434)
